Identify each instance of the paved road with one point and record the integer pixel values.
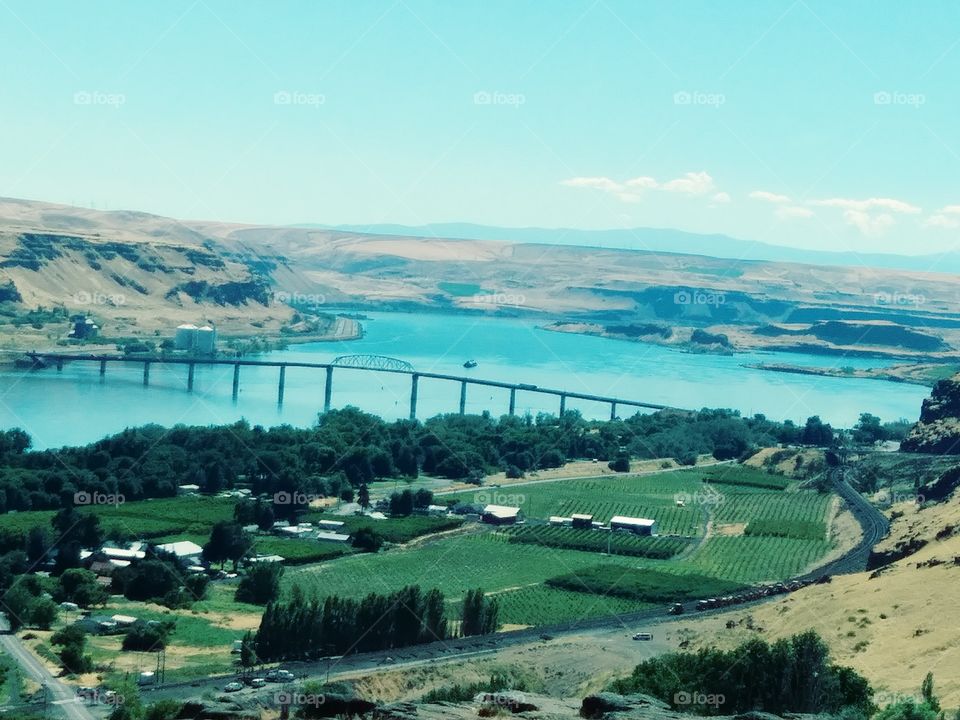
(61, 695)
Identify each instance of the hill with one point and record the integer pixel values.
(142, 273)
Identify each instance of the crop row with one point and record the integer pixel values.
(615, 543)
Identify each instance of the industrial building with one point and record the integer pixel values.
(189, 337)
(501, 515)
(640, 526)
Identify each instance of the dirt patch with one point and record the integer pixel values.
(729, 530)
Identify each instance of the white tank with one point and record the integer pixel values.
(206, 339)
(185, 337)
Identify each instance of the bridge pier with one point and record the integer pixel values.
(328, 389)
(103, 368)
(563, 404)
(146, 373)
(236, 381)
(191, 369)
(513, 400)
(414, 383)
(283, 380)
(463, 397)
(613, 411)
(60, 365)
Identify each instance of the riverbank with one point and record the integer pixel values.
(746, 339)
(926, 374)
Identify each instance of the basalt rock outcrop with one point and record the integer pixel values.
(939, 428)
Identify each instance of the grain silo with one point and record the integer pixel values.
(185, 337)
(206, 339)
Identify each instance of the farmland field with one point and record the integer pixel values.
(616, 543)
(515, 563)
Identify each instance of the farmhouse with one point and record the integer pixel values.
(640, 526)
(582, 521)
(185, 551)
(329, 524)
(328, 536)
(501, 515)
(560, 521)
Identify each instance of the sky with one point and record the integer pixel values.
(823, 125)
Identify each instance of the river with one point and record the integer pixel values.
(76, 406)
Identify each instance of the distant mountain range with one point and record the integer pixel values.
(664, 240)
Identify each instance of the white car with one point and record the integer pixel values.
(233, 687)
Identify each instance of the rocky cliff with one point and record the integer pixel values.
(939, 428)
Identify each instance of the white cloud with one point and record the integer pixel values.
(692, 183)
(597, 183)
(891, 204)
(631, 191)
(940, 220)
(793, 211)
(868, 224)
(721, 197)
(769, 196)
(947, 217)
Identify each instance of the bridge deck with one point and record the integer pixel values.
(79, 357)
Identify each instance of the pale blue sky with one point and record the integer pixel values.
(829, 125)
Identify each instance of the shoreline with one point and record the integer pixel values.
(912, 374)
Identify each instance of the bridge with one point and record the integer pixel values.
(371, 363)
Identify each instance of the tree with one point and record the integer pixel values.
(926, 692)
(248, 650)
(401, 504)
(363, 497)
(367, 540)
(620, 464)
(42, 612)
(81, 587)
(261, 584)
(816, 432)
(480, 615)
(228, 541)
(148, 637)
(72, 641)
(868, 430)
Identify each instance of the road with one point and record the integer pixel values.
(871, 520)
(61, 695)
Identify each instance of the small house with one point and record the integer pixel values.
(581, 521)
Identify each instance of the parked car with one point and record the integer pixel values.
(643, 636)
(233, 687)
(676, 609)
(257, 682)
